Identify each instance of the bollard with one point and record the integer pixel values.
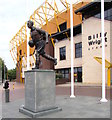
(7, 95)
(13, 86)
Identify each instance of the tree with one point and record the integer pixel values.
(3, 74)
(12, 74)
(4, 71)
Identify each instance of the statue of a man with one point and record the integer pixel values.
(39, 40)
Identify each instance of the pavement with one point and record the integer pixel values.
(79, 107)
(82, 106)
(80, 89)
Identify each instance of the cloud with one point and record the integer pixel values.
(13, 14)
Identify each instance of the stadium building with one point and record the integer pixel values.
(87, 42)
(87, 46)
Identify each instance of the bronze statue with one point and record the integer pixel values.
(39, 40)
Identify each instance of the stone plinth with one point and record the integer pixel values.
(39, 92)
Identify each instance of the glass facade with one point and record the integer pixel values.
(64, 72)
(107, 15)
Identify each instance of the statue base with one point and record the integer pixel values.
(39, 113)
(39, 93)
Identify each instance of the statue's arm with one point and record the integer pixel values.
(41, 31)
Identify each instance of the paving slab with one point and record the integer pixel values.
(78, 107)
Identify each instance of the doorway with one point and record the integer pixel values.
(78, 74)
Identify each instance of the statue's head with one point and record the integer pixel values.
(30, 24)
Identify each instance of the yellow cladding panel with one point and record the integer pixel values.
(107, 65)
(109, 77)
(64, 17)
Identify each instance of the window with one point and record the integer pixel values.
(78, 50)
(98, 16)
(77, 69)
(63, 53)
(64, 72)
(107, 14)
(63, 26)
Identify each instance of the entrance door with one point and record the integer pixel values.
(78, 72)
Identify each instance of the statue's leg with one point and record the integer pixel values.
(48, 57)
(41, 51)
(37, 60)
(41, 47)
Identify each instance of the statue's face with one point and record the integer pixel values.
(29, 24)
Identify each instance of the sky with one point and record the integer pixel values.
(13, 14)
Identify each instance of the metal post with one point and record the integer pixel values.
(7, 95)
(27, 49)
(103, 53)
(72, 53)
